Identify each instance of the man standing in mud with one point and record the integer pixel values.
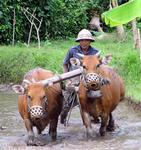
(84, 38)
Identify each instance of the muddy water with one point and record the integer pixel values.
(127, 135)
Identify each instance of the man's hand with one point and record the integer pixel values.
(68, 83)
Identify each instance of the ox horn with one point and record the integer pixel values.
(98, 53)
(26, 83)
(80, 55)
(33, 80)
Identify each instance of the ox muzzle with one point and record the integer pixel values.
(94, 81)
(36, 112)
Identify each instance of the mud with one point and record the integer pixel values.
(127, 135)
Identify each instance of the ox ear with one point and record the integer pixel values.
(75, 62)
(18, 89)
(107, 59)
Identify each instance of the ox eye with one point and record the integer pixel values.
(28, 97)
(98, 65)
(84, 67)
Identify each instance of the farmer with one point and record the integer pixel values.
(84, 39)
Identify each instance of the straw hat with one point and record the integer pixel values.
(84, 34)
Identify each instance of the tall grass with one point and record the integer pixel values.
(16, 61)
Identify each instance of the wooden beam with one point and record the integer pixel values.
(62, 77)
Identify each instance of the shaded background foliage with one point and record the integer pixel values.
(61, 18)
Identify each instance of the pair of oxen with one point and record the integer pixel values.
(100, 91)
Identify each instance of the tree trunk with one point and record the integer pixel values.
(139, 41)
(120, 29)
(95, 23)
(14, 23)
(135, 34)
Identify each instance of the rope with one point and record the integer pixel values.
(73, 97)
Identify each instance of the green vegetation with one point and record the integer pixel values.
(16, 61)
(60, 18)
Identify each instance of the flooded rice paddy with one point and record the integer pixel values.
(13, 135)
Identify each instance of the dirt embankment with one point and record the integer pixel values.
(6, 87)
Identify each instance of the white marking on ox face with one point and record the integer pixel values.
(94, 94)
(36, 112)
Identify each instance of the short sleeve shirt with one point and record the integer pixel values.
(77, 49)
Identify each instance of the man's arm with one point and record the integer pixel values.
(65, 68)
(67, 60)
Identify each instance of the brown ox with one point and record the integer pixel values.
(100, 91)
(39, 105)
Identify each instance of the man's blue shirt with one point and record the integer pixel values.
(77, 49)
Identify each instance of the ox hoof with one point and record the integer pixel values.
(102, 132)
(110, 129)
(30, 143)
(90, 134)
(53, 138)
(39, 143)
(35, 143)
(63, 117)
(63, 121)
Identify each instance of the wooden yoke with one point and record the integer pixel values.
(62, 77)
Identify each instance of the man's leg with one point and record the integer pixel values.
(70, 101)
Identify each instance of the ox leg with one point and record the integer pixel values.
(70, 100)
(53, 129)
(38, 141)
(104, 120)
(39, 131)
(29, 128)
(63, 116)
(87, 123)
(111, 124)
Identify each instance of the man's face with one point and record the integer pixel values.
(84, 44)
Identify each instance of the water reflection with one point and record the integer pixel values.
(10, 121)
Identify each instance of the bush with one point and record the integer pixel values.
(60, 18)
(132, 67)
